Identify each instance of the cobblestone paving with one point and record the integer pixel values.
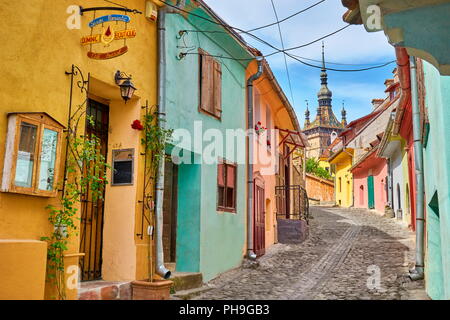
(345, 250)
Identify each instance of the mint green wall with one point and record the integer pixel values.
(437, 181)
(430, 36)
(207, 241)
(188, 230)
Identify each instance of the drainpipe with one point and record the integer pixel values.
(250, 253)
(418, 272)
(160, 268)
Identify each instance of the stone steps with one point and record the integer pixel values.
(189, 294)
(186, 280)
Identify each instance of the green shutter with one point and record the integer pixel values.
(371, 190)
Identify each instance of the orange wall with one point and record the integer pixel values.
(319, 189)
(268, 158)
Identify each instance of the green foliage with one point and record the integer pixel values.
(313, 167)
(155, 140)
(85, 179)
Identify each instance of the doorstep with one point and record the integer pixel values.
(104, 290)
(186, 280)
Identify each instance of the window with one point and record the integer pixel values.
(32, 154)
(361, 195)
(210, 85)
(226, 187)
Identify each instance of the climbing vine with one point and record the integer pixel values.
(155, 140)
(85, 180)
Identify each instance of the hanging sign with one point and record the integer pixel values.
(111, 17)
(108, 30)
(118, 35)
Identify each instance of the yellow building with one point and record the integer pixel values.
(52, 58)
(323, 163)
(342, 162)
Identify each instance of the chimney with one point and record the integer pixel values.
(376, 103)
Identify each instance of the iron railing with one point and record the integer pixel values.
(292, 202)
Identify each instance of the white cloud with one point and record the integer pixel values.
(352, 45)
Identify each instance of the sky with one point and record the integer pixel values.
(352, 46)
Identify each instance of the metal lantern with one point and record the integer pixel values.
(127, 88)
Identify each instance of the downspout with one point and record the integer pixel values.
(250, 253)
(418, 272)
(160, 268)
(405, 84)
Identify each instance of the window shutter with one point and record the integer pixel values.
(220, 175)
(217, 89)
(231, 176)
(207, 94)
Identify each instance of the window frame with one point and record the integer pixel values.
(225, 165)
(201, 109)
(42, 121)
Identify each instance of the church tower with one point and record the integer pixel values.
(344, 115)
(325, 124)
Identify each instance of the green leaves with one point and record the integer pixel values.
(155, 139)
(313, 167)
(86, 172)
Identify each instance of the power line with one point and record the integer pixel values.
(287, 18)
(282, 46)
(311, 42)
(275, 48)
(339, 63)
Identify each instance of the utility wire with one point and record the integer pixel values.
(284, 55)
(287, 18)
(311, 42)
(273, 47)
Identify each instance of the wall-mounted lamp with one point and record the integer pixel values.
(127, 88)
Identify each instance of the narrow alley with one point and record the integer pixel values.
(346, 250)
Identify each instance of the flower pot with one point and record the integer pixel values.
(156, 290)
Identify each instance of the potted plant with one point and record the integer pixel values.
(154, 142)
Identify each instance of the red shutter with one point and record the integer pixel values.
(217, 89)
(207, 84)
(220, 174)
(231, 176)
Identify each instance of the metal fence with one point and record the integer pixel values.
(292, 202)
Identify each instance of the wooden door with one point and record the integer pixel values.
(92, 212)
(259, 218)
(371, 192)
(170, 211)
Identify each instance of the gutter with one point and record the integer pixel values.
(283, 97)
(250, 253)
(160, 267)
(418, 272)
(404, 75)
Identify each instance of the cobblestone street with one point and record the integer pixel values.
(345, 251)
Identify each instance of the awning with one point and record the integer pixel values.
(292, 138)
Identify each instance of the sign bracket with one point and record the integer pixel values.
(82, 10)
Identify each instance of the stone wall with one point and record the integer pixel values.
(319, 189)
